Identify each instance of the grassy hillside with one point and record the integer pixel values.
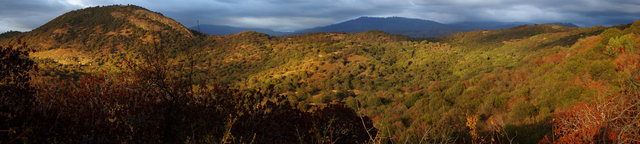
(480, 86)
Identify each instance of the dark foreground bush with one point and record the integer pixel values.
(145, 106)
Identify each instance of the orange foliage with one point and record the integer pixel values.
(587, 82)
(553, 59)
(590, 42)
(518, 77)
(415, 88)
(466, 83)
(471, 124)
(539, 62)
(609, 119)
(627, 62)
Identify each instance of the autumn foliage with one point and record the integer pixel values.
(607, 119)
(613, 119)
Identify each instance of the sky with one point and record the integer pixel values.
(291, 15)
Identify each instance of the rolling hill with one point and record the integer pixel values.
(93, 36)
(226, 30)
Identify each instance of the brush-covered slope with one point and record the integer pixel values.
(99, 27)
(512, 80)
(100, 39)
(86, 35)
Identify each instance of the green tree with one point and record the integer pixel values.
(610, 33)
(624, 43)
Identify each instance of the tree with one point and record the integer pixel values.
(622, 44)
(340, 124)
(610, 33)
(15, 92)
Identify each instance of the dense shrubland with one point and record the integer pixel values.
(147, 104)
(515, 81)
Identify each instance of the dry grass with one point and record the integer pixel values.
(64, 56)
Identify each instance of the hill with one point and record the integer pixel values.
(503, 81)
(564, 24)
(88, 60)
(226, 30)
(488, 25)
(93, 36)
(9, 34)
(476, 86)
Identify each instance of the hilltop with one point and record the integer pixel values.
(108, 23)
(94, 34)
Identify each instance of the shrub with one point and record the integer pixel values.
(634, 28)
(521, 111)
(622, 44)
(374, 101)
(411, 100)
(610, 33)
(338, 124)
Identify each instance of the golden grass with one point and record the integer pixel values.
(64, 56)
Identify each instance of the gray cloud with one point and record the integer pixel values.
(288, 15)
(26, 15)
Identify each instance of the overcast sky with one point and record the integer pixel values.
(289, 15)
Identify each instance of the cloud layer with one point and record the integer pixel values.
(289, 15)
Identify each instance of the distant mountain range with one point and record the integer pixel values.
(396, 25)
(225, 30)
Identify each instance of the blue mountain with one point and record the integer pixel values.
(225, 30)
(395, 25)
